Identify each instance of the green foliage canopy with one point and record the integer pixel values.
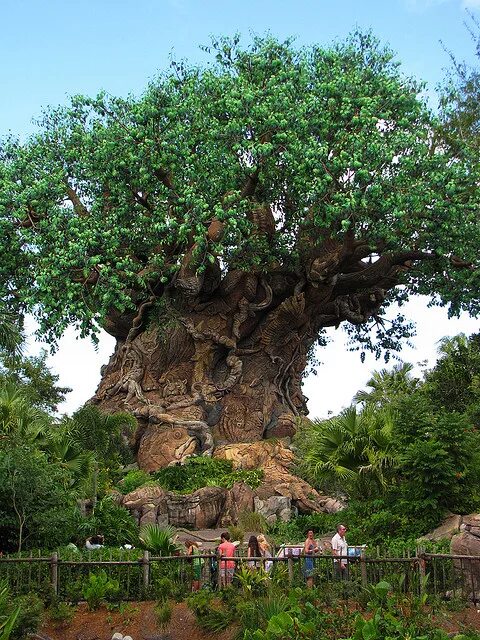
(102, 207)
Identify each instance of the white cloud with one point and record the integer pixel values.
(471, 4)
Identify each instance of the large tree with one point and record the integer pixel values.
(218, 224)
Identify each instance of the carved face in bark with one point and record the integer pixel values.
(163, 445)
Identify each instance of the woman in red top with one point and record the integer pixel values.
(226, 549)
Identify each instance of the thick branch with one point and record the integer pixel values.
(78, 205)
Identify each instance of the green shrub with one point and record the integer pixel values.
(8, 615)
(164, 589)
(202, 471)
(252, 583)
(253, 521)
(133, 480)
(97, 588)
(236, 533)
(163, 614)
(159, 540)
(210, 613)
(30, 616)
(61, 613)
(115, 523)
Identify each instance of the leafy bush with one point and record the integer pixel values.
(203, 471)
(252, 583)
(97, 588)
(61, 613)
(236, 533)
(159, 540)
(209, 612)
(30, 616)
(8, 615)
(163, 613)
(164, 589)
(133, 480)
(253, 521)
(115, 523)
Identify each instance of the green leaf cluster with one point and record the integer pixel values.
(200, 472)
(100, 207)
(408, 452)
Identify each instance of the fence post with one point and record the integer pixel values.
(54, 572)
(421, 568)
(219, 572)
(290, 569)
(363, 567)
(146, 569)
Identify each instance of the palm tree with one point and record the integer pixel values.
(63, 451)
(386, 386)
(104, 436)
(160, 540)
(11, 336)
(353, 449)
(19, 418)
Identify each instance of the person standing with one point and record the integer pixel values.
(310, 547)
(197, 563)
(265, 552)
(340, 548)
(253, 551)
(226, 549)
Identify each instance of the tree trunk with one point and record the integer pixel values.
(216, 359)
(228, 370)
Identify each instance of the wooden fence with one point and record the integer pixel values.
(140, 577)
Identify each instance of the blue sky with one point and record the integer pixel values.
(52, 49)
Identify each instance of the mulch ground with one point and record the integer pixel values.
(136, 619)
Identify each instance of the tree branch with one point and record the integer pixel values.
(78, 206)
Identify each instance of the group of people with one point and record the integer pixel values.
(259, 555)
(339, 548)
(258, 550)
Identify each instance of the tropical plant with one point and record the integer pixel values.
(61, 613)
(8, 614)
(454, 382)
(134, 479)
(30, 616)
(116, 523)
(210, 613)
(201, 471)
(252, 521)
(97, 588)
(163, 613)
(36, 506)
(19, 418)
(11, 336)
(32, 376)
(354, 448)
(251, 582)
(158, 540)
(386, 386)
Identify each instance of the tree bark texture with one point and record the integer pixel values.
(218, 359)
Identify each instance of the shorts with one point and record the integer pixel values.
(227, 573)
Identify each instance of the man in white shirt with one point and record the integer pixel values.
(340, 548)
